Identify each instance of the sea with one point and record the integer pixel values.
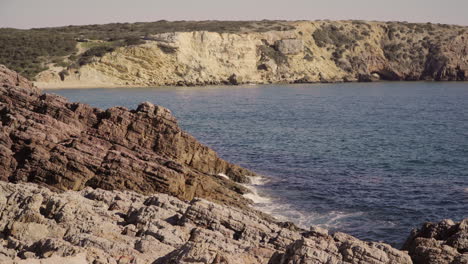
(374, 160)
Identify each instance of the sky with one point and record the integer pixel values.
(49, 13)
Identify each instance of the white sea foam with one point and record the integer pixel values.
(281, 211)
(287, 212)
(254, 195)
(257, 199)
(222, 175)
(257, 180)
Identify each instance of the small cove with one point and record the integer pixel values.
(370, 159)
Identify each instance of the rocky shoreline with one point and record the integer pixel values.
(85, 185)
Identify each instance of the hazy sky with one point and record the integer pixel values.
(46, 13)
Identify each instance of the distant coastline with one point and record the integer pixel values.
(236, 52)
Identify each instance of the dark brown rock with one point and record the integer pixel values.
(46, 139)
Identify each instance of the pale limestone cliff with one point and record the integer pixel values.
(317, 51)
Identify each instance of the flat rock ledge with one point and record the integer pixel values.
(98, 226)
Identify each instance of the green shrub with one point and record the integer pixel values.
(269, 52)
(167, 48)
(130, 41)
(331, 35)
(26, 51)
(419, 30)
(62, 74)
(98, 51)
(392, 51)
(308, 57)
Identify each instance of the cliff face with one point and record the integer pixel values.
(46, 139)
(319, 51)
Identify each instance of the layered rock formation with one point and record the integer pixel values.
(150, 169)
(97, 226)
(47, 140)
(305, 51)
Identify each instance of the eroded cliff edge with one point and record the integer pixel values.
(150, 169)
(292, 52)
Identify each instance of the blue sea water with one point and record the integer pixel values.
(370, 159)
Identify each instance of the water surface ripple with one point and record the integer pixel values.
(371, 159)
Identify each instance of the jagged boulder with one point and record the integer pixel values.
(9, 78)
(46, 139)
(445, 242)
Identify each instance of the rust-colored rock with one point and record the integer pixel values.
(46, 139)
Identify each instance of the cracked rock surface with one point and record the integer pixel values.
(46, 139)
(443, 242)
(84, 185)
(99, 226)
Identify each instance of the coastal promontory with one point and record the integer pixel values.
(190, 53)
(85, 185)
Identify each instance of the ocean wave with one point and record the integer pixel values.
(254, 195)
(257, 180)
(287, 212)
(222, 175)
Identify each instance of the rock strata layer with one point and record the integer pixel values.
(112, 186)
(46, 139)
(98, 226)
(299, 52)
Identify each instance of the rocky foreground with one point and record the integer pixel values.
(97, 226)
(84, 185)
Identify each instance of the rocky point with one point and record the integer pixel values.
(85, 185)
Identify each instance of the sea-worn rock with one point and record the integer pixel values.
(445, 242)
(338, 248)
(97, 226)
(46, 139)
(150, 169)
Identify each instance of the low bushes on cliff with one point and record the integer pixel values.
(30, 51)
(98, 51)
(332, 35)
(27, 51)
